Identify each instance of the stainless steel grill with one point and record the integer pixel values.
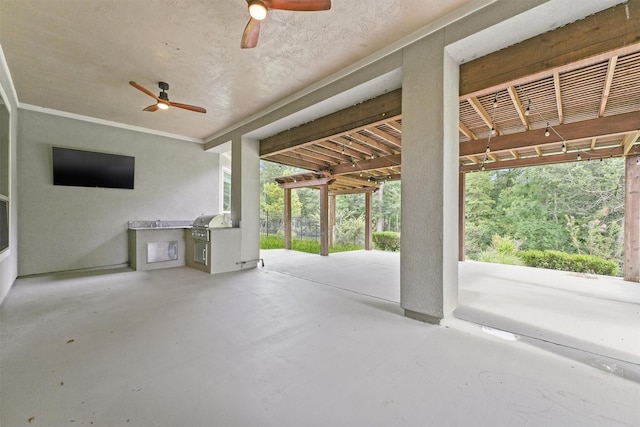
(200, 229)
(201, 233)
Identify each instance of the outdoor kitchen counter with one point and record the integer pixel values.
(157, 244)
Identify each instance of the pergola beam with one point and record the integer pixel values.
(603, 126)
(607, 84)
(306, 183)
(368, 113)
(366, 165)
(614, 31)
(587, 155)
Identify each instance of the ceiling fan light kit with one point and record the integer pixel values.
(162, 100)
(258, 11)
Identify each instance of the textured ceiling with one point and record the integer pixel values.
(77, 56)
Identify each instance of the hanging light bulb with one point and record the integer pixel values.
(527, 111)
(546, 131)
(493, 131)
(353, 165)
(564, 147)
(488, 149)
(579, 156)
(482, 168)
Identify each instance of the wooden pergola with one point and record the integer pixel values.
(572, 94)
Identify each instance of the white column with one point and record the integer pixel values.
(245, 194)
(429, 244)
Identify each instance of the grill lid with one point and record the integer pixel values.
(212, 221)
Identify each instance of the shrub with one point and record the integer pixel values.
(497, 257)
(386, 240)
(578, 263)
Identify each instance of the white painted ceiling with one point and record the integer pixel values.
(78, 56)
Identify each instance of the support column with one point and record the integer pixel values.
(631, 264)
(332, 220)
(287, 218)
(245, 195)
(368, 216)
(429, 244)
(461, 215)
(324, 220)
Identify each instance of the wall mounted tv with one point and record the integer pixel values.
(81, 168)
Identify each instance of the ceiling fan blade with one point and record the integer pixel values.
(188, 107)
(298, 5)
(251, 34)
(151, 108)
(143, 89)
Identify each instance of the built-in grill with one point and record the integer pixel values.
(201, 233)
(201, 226)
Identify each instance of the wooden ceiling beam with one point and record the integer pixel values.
(368, 113)
(353, 191)
(354, 145)
(289, 161)
(372, 143)
(367, 165)
(610, 125)
(396, 142)
(587, 155)
(613, 31)
(341, 148)
(338, 156)
(307, 183)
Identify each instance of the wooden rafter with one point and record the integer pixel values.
(484, 115)
(385, 136)
(611, 69)
(366, 165)
(518, 106)
(558, 93)
(628, 141)
(466, 131)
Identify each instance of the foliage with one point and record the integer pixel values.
(272, 199)
(572, 207)
(350, 229)
(309, 246)
(386, 240)
(579, 263)
(503, 250)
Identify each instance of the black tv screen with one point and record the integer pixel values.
(81, 168)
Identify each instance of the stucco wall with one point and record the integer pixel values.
(9, 259)
(67, 228)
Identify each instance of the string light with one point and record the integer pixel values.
(527, 111)
(564, 147)
(579, 156)
(546, 131)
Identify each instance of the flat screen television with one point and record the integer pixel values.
(81, 168)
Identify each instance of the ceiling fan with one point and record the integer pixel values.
(258, 11)
(163, 102)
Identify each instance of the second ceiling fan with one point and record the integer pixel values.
(258, 11)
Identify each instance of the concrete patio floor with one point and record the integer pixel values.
(561, 310)
(304, 346)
